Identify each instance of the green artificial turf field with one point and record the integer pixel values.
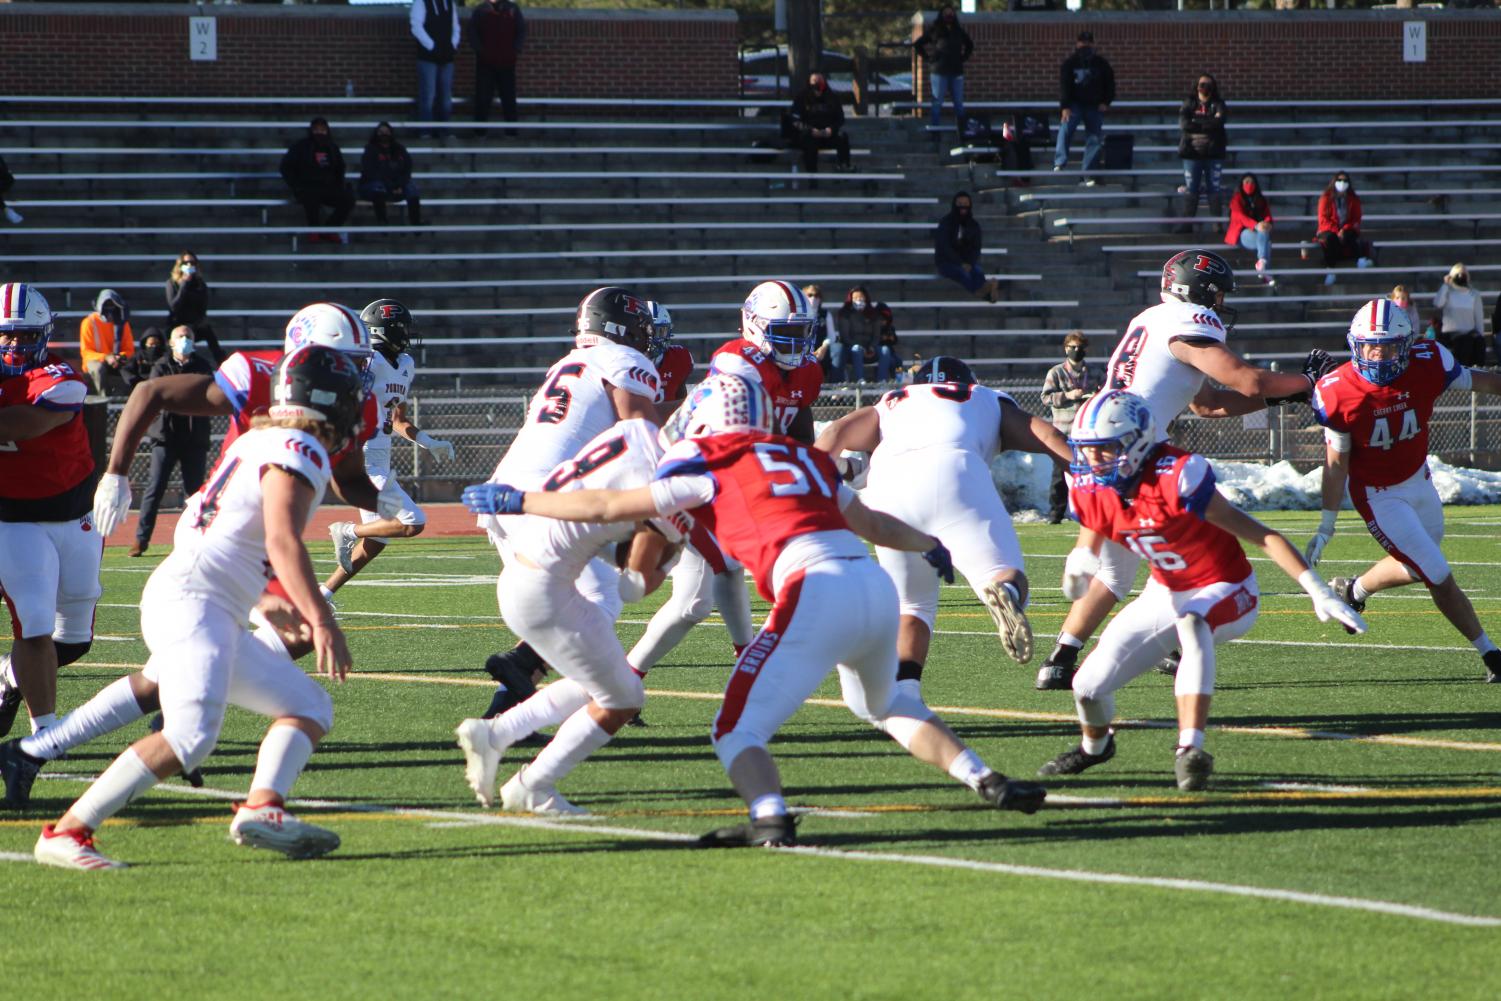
(1349, 845)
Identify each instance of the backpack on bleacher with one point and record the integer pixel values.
(976, 131)
(1034, 130)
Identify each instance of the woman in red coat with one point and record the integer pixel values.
(1251, 223)
(1339, 226)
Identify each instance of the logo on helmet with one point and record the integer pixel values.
(1209, 265)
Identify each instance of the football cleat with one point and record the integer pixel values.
(481, 758)
(1192, 768)
(71, 850)
(1075, 761)
(635, 720)
(1057, 672)
(1169, 664)
(1011, 794)
(344, 542)
(1492, 660)
(1344, 589)
(779, 831)
(10, 704)
(517, 797)
(20, 771)
(271, 826)
(516, 669)
(1010, 621)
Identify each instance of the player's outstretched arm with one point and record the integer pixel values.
(26, 421)
(893, 533)
(1022, 432)
(591, 505)
(1332, 488)
(1254, 385)
(189, 395)
(285, 500)
(857, 431)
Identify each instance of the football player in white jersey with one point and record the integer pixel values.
(541, 600)
(930, 447)
(391, 373)
(244, 526)
(606, 378)
(1169, 354)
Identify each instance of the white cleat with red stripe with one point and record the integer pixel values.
(72, 850)
(271, 826)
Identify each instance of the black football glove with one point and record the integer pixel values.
(939, 559)
(1318, 364)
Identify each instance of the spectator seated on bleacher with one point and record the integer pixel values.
(187, 303)
(818, 123)
(386, 175)
(106, 342)
(957, 242)
(859, 328)
(1462, 328)
(1251, 224)
(1339, 226)
(152, 349)
(313, 168)
(1403, 300)
(828, 350)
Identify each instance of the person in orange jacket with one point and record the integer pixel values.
(105, 340)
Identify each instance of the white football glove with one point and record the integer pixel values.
(442, 450)
(1327, 605)
(111, 503)
(1078, 570)
(1314, 551)
(388, 504)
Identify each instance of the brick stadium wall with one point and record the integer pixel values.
(1271, 55)
(313, 50)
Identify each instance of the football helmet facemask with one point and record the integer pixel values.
(661, 332)
(391, 328)
(1203, 278)
(26, 323)
(318, 383)
(1380, 326)
(1119, 425)
(778, 320)
(613, 314)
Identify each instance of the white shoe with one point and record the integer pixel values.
(517, 797)
(1365, 262)
(71, 850)
(271, 826)
(14, 216)
(1010, 621)
(345, 540)
(481, 758)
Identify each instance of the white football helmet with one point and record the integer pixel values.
(1380, 322)
(1119, 421)
(26, 320)
(331, 325)
(778, 319)
(661, 331)
(723, 403)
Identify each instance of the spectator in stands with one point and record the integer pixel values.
(7, 181)
(818, 116)
(435, 26)
(497, 30)
(187, 303)
(1086, 85)
(1463, 325)
(957, 242)
(1066, 386)
(149, 351)
(1201, 146)
(386, 175)
(313, 168)
(859, 328)
(1251, 223)
(945, 47)
(106, 341)
(829, 350)
(1401, 297)
(1339, 226)
(888, 362)
(176, 441)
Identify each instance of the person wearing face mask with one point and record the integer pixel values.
(1201, 146)
(1086, 85)
(1251, 224)
(1403, 299)
(106, 341)
(176, 441)
(386, 175)
(1463, 330)
(945, 47)
(830, 350)
(818, 116)
(957, 243)
(859, 327)
(1339, 226)
(187, 303)
(150, 349)
(313, 168)
(1065, 388)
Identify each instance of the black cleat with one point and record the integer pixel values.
(779, 831)
(194, 777)
(1057, 672)
(502, 701)
(517, 669)
(1075, 761)
(1492, 666)
(10, 704)
(1192, 768)
(635, 720)
(1344, 589)
(20, 771)
(1169, 664)
(1010, 794)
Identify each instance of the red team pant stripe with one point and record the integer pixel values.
(704, 543)
(754, 657)
(1230, 608)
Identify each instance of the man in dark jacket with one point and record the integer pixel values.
(314, 169)
(945, 47)
(497, 30)
(176, 441)
(818, 116)
(436, 30)
(956, 248)
(1086, 86)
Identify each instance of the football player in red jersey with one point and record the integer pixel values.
(673, 360)
(1376, 410)
(1160, 502)
(49, 551)
(777, 505)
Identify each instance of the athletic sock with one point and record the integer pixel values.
(284, 754)
(968, 768)
(115, 706)
(42, 722)
(1015, 595)
(1358, 591)
(327, 594)
(1190, 737)
(1094, 745)
(549, 707)
(1070, 640)
(577, 738)
(1483, 644)
(770, 805)
(125, 779)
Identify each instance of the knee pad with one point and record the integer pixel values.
(67, 653)
(192, 739)
(1095, 711)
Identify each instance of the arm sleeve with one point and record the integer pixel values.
(1196, 484)
(1337, 440)
(1479, 314)
(672, 493)
(1456, 376)
(64, 394)
(733, 364)
(458, 28)
(417, 18)
(234, 378)
(1441, 297)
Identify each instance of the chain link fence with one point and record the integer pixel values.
(482, 426)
